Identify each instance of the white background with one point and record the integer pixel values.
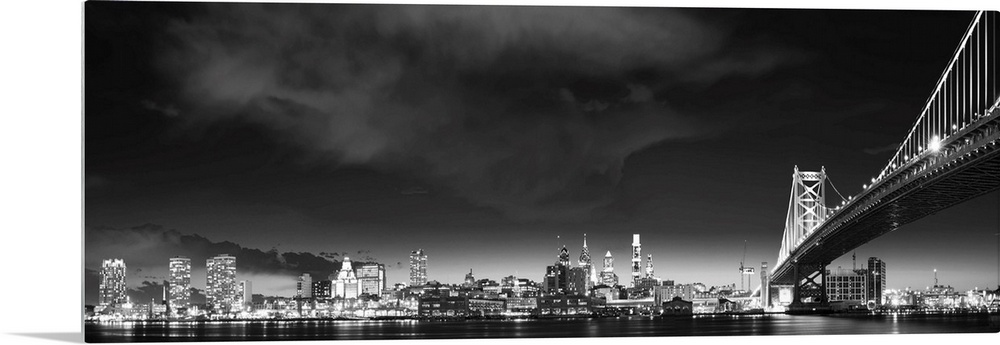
(41, 173)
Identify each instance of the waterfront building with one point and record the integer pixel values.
(519, 287)
(847, 285)
(486, 307)
(303, 288)
(322, 289)
(443, 306)
(372, 278)
(876, 280)
(246, 294)
(111, 290)
(220, 291)
(564, 305)
(179, 296)
(677, 306)
(347, 283)
(665, 293)
(636, 259)
(608, 276)
(418, 268)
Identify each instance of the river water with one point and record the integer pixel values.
(776, 324)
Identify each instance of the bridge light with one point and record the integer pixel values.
(935, 144)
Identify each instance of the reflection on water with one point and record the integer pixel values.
(605, 327)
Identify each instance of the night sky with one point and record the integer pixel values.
(490, 136)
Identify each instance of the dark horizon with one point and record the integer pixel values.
(481, 133)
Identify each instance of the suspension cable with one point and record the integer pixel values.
(835, 188)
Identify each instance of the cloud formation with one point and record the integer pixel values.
(529, 110)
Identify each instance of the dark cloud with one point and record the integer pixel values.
(881, 149)
(529, 110)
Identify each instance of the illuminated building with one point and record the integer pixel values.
(112, 287)
(469, 279)
(347, 284)
(557, 275)
(245, 292)
(636, 259)
(765, 287)
(577, 281)
(303, 288)
(608, 276)
(372, 278)
(649, 265)
(220, 290)
(418, 268)
(180, 283)
(588, 264)
(322, 289)
(846, 285)
(876, 280)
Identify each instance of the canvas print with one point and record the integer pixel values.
(257, 171)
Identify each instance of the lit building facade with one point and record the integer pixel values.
(221, 287)
(876, 280)
(418, 268)
(112, 287)
(245, 292)
(608, 276)
(346, 285)
(372, 278)
(636, 259)
(557, 275)
(180, 283)
(587, 264)
(322, 289)
(846, 285)
(303, 288)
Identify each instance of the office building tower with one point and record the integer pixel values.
(347, 284)
(636, 259)
(876, 280)
(418, 268)
(304, 287)
(180, 283)
(221, 286)
(112, 286)
(608, 276)
(246, 294)
(649, 265)
(588, 264)
(846, 285)
(557, 275)
(323, 289)
(372, 278)
(577, 281)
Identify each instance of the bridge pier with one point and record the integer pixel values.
(809, 290)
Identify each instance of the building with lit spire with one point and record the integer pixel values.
(587, 264)
(347, 284)
(636, 259)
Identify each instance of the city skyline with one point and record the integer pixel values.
(484, 156)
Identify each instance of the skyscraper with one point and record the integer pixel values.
(649, 265)
(608, 276)
(180, 283)
(372, 278)
(112, 286)
(876, 279)
(303, 288)
(346, 285)
(221, 287)
(470, 279)
(765, 286)
(557, 275)
(245, 294)
(418, 268)
(588, 264)
(636, 259)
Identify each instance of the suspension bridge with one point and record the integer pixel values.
(950, 155)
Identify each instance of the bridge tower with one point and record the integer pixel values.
(806, 211)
